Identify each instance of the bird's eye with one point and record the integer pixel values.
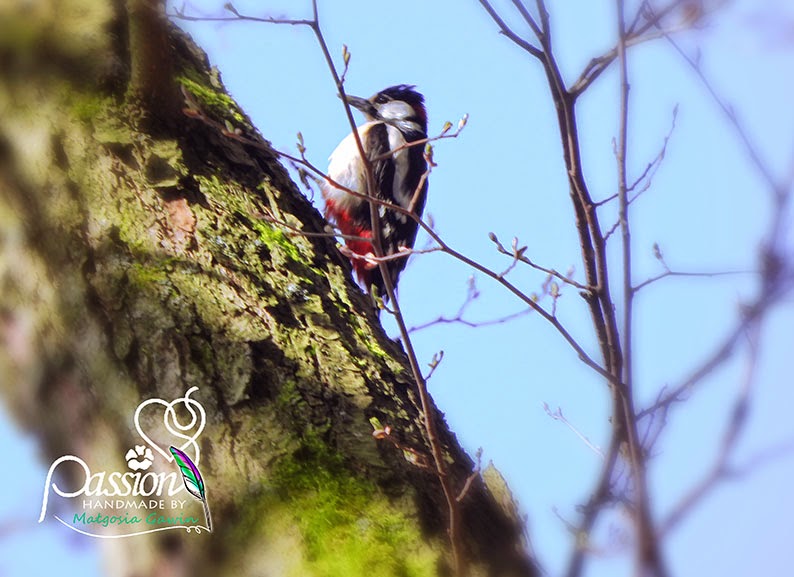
(381, 99)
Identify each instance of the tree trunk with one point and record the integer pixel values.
(136, 264)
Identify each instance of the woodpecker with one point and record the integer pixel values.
(395, 117)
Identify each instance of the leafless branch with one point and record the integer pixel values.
(443, 134)
(376, 260)
(442, 320)
(180, 14)
(650, 169)
(648, 555)
(720, 469)
(384, 433)
(593, 246)
(507, 31)
(434, 363)
(778, 188)
(645, 178)
(558, 416)
(599, 499)
(749, 316)
(638, 32)
(600, 64)
(519, 255)
(547, 289)
(675, 273)
(611, 229)
(528, 18)
(471, 478)
(653, 424)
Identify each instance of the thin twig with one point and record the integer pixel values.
(442, 320)
(635, 34)
(736, 424)
(519, 255)
(507, 31)
(674, 273)
(471, 478)
(648, 557)
(179, 14)
(650, 169)
(558, 416)
(528, 19)
(764, 170)
(421, 142)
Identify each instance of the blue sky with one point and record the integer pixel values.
(504, 174)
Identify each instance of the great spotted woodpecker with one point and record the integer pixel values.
(395, 117)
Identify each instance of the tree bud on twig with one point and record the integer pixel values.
(462, 122)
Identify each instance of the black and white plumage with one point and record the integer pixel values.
(395, 117)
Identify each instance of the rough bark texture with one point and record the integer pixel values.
(134, 263)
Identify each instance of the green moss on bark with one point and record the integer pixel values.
(347, 526)
(212, 98)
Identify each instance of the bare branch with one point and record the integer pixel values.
(720, 469)
(519, 5)
(750, 316)
(384, 433)
(544, 20)
(470, 479)
(505, 29)
(558, 416)
(180, 14)
(779, 189)
(673, 273)
(601, 496)
(421, 142)
(474, 294)
(376, 260)
(611, 229)
(599, 64)
(519, 255)
(650, 169)
(637, 33)
(648, 556)
(583, 356)
(442, 320)
(434, 363)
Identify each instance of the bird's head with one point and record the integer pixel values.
(401, 106)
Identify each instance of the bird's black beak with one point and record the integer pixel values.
(363, 105)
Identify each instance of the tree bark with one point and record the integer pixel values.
(136, 264)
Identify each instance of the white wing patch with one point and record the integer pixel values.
(345, 167)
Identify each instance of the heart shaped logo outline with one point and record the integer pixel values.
(174, 427)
